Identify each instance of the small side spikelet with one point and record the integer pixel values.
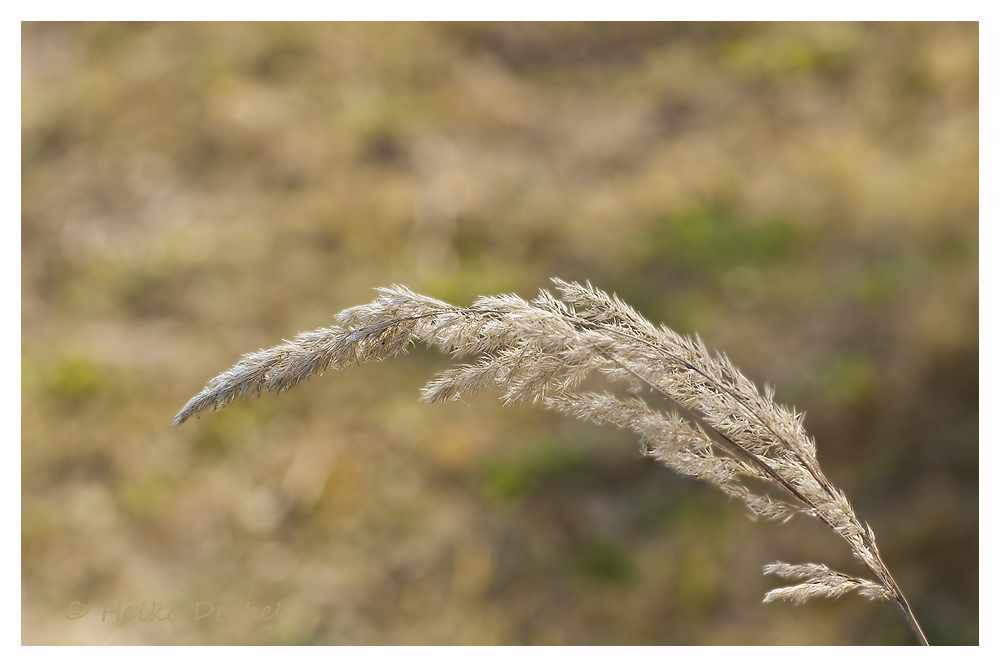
(820, 581)
(542, 350)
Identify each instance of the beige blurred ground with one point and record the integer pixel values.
(803, 196)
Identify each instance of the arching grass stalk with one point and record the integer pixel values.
(543, 350)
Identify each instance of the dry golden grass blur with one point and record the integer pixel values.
(803, 196)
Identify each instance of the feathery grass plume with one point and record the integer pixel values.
(542, 351)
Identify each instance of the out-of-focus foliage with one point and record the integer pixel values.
(803, 196)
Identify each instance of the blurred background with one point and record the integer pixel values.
(803, 196)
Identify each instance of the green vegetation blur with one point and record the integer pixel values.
(802, 196)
